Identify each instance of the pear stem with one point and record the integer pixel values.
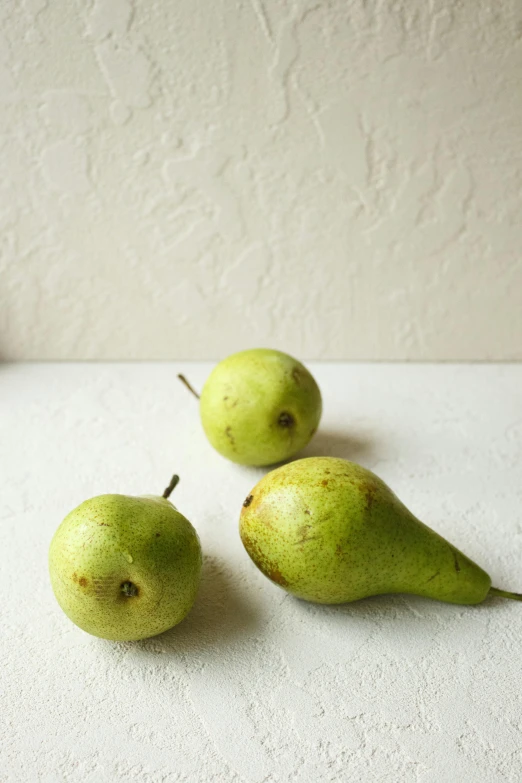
(187, 384)
(505, 594)
(174, 480)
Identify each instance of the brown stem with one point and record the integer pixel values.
(174, 480)
(505, 594)
(187, 384)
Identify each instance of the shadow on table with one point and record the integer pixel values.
(394, 608)
(354, 446)
(219, 616)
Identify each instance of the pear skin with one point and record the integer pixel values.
(125, 568)
(259, 407)
(330, 531)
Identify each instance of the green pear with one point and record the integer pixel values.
(259, 407)
(330, 531)
(125, 568)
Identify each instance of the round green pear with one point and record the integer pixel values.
(259, 407)
(125, 568)
(330, 531)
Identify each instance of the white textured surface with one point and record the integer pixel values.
(254, 686)
(335, 179)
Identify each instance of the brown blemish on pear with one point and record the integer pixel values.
(262, 562)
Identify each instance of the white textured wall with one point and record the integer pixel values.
(183, 179)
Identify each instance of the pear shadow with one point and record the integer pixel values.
(393, 607)
(354, 446)
(220, 615)
(387, 604)
(496, 601)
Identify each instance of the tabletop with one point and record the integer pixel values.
(255, 686)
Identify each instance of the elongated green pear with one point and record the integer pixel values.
(259, 407)
(125, 568)
(330, 531)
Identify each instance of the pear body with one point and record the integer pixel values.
(330, 531)
(125, 568)
(259, 407)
